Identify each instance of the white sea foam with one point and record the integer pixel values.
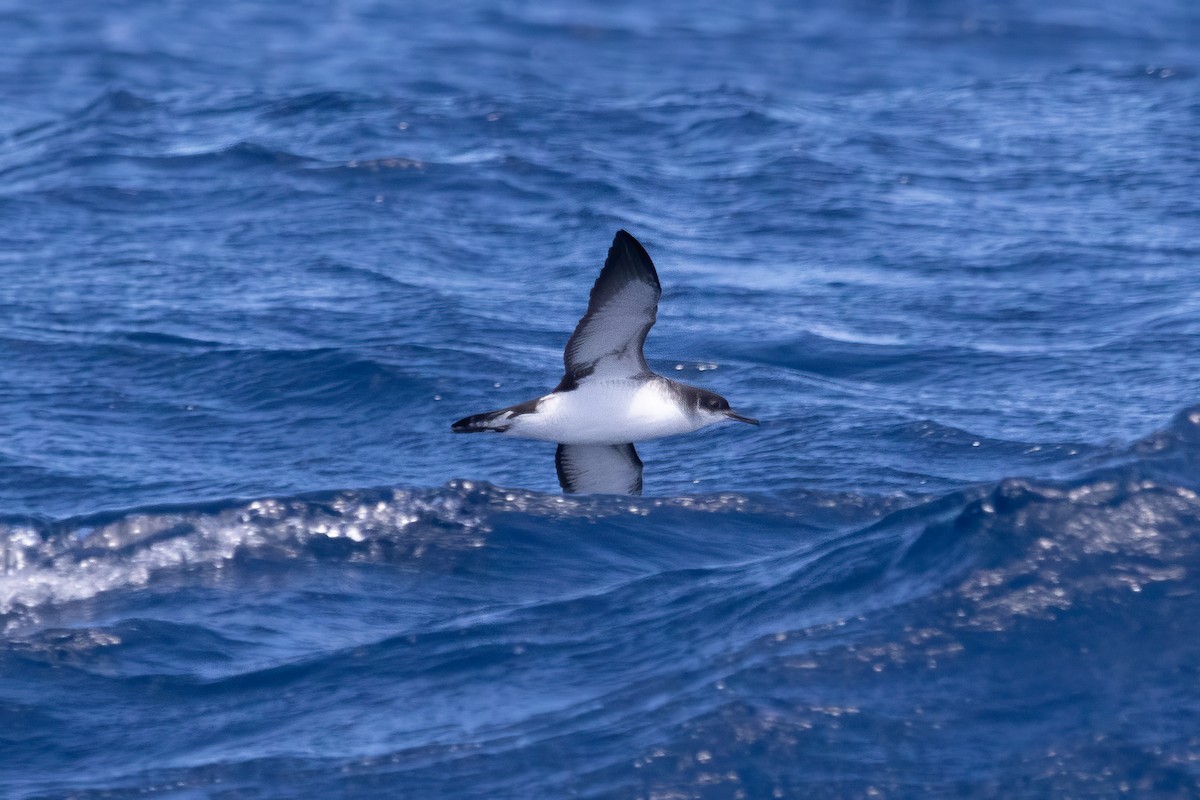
(76, 560)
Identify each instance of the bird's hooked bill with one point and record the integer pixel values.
(734, 415)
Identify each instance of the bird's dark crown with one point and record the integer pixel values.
(700, 399)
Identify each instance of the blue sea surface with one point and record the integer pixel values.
(255, 258)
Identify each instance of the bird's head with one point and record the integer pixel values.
(712, 405)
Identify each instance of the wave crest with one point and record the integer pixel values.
(55, 562)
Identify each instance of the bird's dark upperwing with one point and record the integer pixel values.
(598, 469)
(622, 308)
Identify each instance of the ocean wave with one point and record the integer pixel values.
(1016, 547)
(62, 561)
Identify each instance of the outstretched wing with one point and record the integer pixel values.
(622, 308)
(598, 469)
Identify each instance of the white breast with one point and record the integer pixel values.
(606, 412)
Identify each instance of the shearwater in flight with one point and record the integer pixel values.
(609, 398)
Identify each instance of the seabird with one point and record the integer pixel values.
(609, 397)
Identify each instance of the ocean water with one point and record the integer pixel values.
(255, 258)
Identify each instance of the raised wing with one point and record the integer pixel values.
(598, 469)
(622, 308)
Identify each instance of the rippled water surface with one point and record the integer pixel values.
(256, 258)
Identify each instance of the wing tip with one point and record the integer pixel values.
(627, 244)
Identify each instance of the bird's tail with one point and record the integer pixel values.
(496, 421)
